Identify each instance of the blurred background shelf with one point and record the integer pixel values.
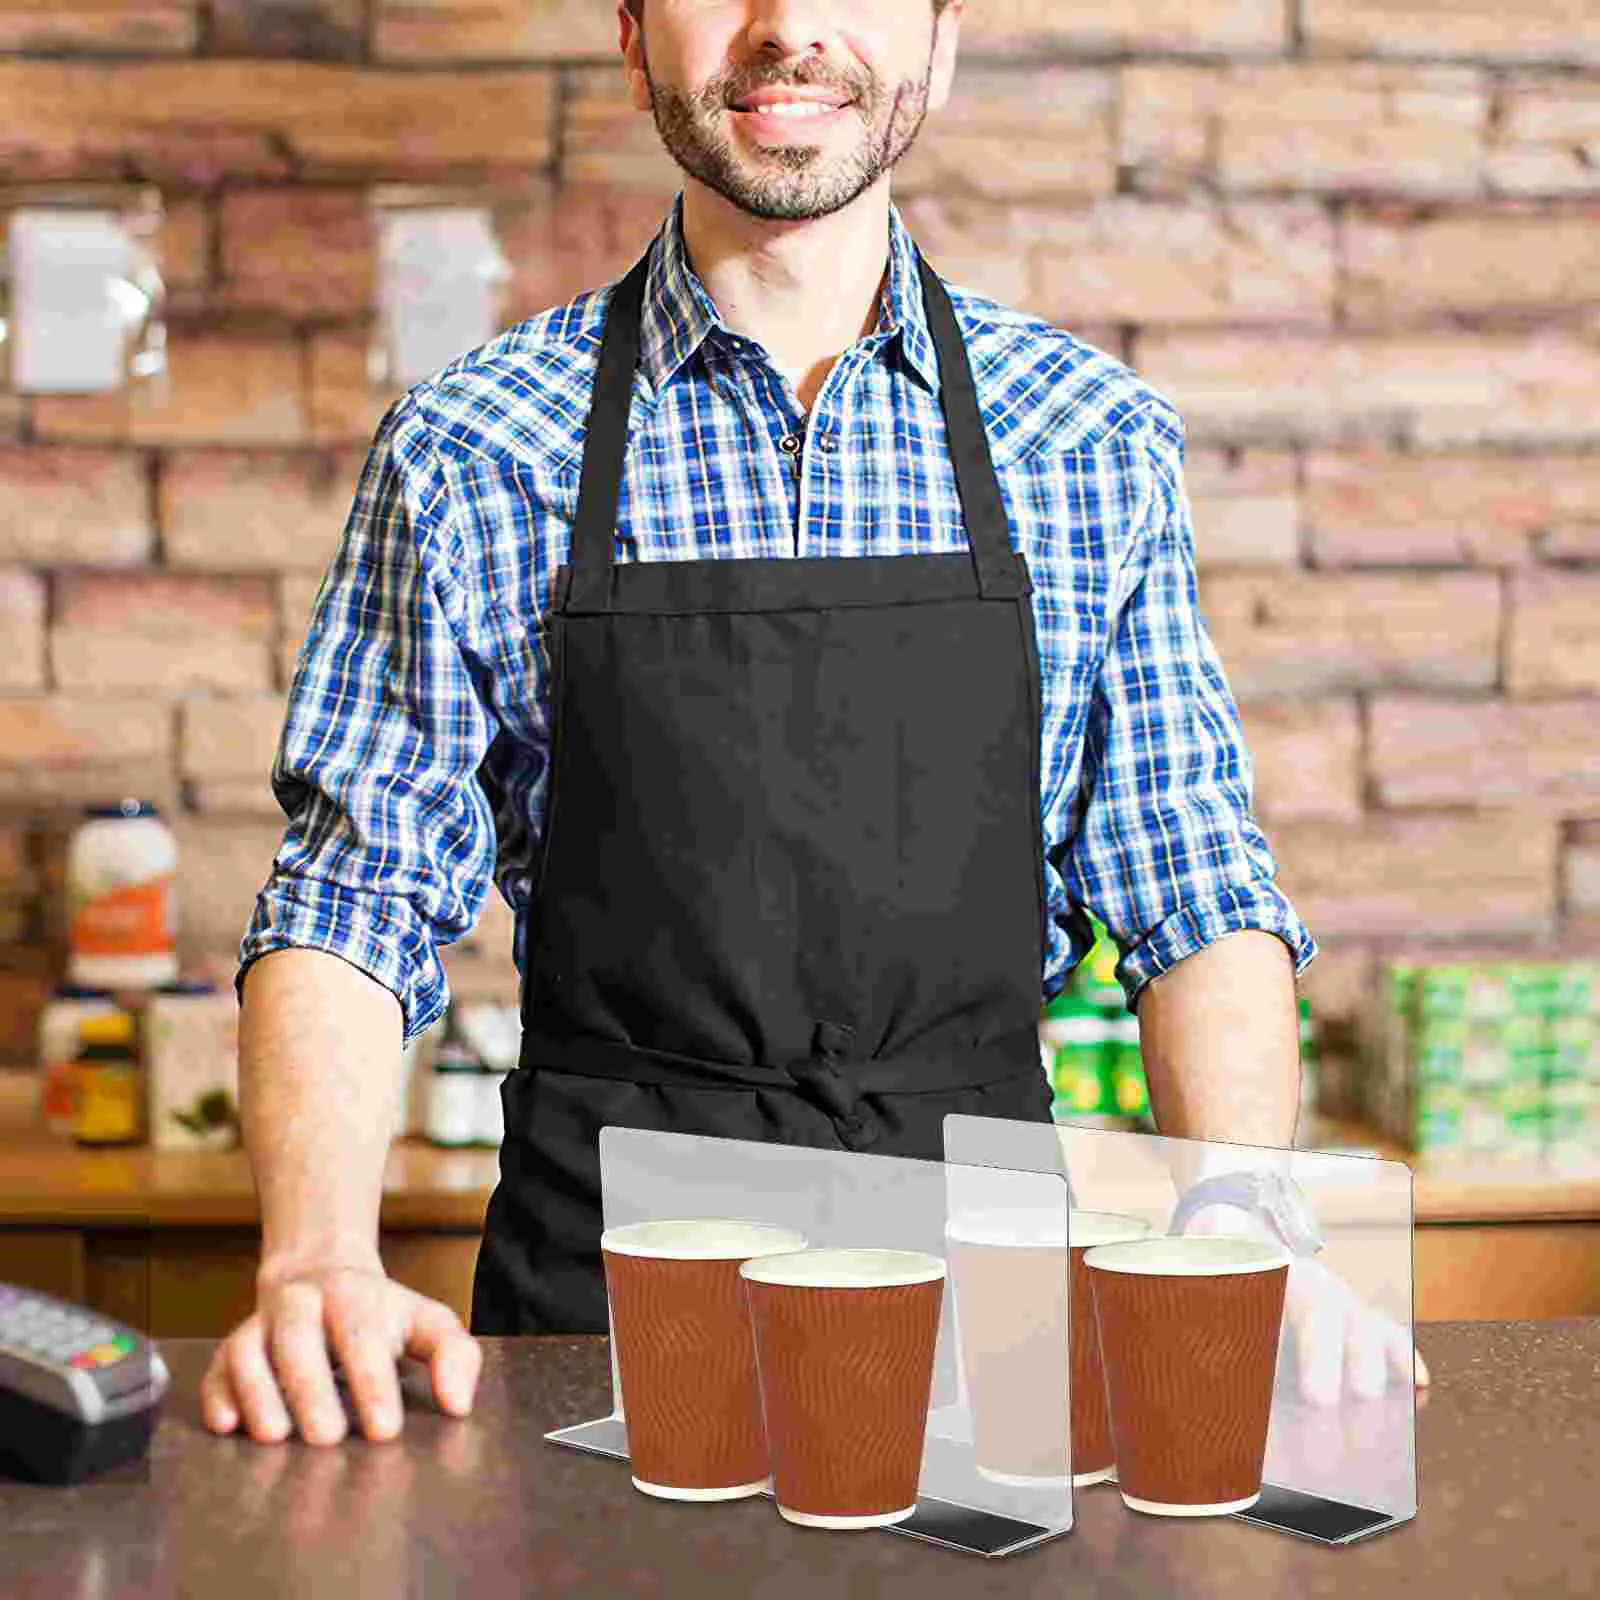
(167, 1239)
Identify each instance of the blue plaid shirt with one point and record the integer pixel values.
(414, 760)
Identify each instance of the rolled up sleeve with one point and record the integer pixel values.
(1169, 854)
(389, 850)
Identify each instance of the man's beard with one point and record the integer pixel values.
(799, 181)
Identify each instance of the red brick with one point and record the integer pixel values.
(1436, 877)
(1246, 507)
(437, 31)
(1574, 541)
(185, 250)
(978, 244)
(1189, 25)
(346, 404)
(224, 864)
(1437, 752)
(1155, 263)
(165, 632)
(219, 389)
(301, 253)
(1567, 31)
(1311, 127)
(1018, 133)
(604, 140)
(63, 507)
(231, 738)
(1553, 636)
(1435, 389)
(329, 30)
(22, 629)
(229, 510)
(1307, 634)
(70, 750)
(227, 752)
(198, 123)
(1518, 263)
(1546, 138)
(295, 597)
(560, 242)
(1378, 508)
(125, 27)
(1307, 756)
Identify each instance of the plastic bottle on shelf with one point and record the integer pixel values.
(122, 891)
(108, 1097)
(453, 1092)
(58, 1051)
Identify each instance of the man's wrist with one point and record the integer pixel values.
(1261, 1203)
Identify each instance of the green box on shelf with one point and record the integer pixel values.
(1438, 1118)
(1472, 990)
(1078, 1035)
(1576, 989)
(1575, 1046)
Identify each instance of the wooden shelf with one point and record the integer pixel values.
(45, 1180)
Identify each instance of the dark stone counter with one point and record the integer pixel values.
(1508, 1455)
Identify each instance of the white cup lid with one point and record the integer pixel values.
(700, 1239)
(1187, 1256)
(845, 1269)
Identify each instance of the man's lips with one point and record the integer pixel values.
(792, 102)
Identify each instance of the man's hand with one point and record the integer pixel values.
(274, 1369)
(1341, 1344)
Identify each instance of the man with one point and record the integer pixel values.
(800, 645)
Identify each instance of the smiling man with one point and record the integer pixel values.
(801, 644)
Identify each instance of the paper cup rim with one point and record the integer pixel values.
(1009, 1226)
(844, 1269)
(738, 1242)
(1187, 1256)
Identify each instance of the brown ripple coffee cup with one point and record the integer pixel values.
(845, 1343)
(1017, 1297)
(1189, 1331)
(685, 1361)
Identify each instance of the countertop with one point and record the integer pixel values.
(1507, 1438)
(50, 1180)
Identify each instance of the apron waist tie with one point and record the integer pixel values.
(827, 1079)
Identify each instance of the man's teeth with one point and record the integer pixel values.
(795, 108)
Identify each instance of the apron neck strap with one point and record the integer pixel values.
(988, 529)
(606, 445)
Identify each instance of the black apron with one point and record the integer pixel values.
(792, 882)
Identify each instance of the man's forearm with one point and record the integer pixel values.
(1220, 1036)
(319, 1051)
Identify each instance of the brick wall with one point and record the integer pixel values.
(1356, 240)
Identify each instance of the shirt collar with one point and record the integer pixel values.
(679, 313)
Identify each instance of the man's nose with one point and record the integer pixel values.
(793, 27)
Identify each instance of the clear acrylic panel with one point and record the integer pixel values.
(1341, 1445)
(971, 1495)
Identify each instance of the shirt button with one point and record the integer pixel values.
(829, 443)
(790, 444)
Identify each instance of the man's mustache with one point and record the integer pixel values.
(734, 86)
